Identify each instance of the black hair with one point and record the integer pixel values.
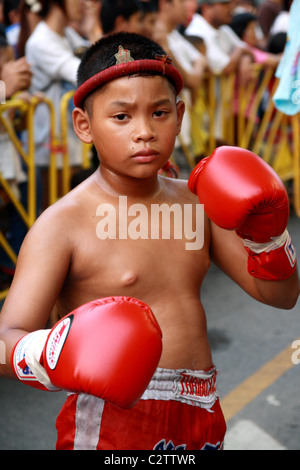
(287, 5)
(277, 43)
(101, 55)
(8, 6)
(240, 22)
(111, 9)
(150, 6)
(46, 6)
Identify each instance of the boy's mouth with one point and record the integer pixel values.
(145, 155)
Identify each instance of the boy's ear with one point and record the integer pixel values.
(180, 113)
(81, 124)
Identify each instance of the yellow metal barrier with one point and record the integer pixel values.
(28, 215)
(59, 145)
(66, 172)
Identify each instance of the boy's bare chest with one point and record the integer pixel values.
(135, 251)
(102, 268)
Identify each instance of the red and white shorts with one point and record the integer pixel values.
(180, 410)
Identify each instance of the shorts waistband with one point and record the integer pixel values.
(197, 387)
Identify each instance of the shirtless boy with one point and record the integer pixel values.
(78, 251)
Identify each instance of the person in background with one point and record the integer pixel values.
(267, 12)
(245, 27)
(120, 15)
(242, 6)
(191, 63)
(89, 26)
(16, 76)
(29, 18)
(191, 7)
(148, 17)
(51, 51)
(225, 51)
(281, 22)
(12, 22)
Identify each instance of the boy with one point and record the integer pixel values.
(102, 239)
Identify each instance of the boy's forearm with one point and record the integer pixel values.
(280, 294)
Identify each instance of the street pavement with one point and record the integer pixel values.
(244, 335)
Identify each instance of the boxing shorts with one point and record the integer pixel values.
(180, 410)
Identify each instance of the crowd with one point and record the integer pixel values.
(42, 42)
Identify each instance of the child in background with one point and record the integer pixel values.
(245, 26)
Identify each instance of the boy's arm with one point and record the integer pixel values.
(108, 347)
(229, 254)
(40, 273)
(249, 207)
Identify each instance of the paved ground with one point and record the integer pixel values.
(245, 336)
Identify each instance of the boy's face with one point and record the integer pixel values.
(133, 124)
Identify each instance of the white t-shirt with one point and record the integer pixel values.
(219, 43)
(54, 68)
(281, 23)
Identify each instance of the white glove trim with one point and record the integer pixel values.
(277, 242)
(30, 348)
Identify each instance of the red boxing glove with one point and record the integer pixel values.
(241, 192)
(109, 348)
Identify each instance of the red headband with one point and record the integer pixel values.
(160, 65)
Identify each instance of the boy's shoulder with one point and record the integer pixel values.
(178, 188)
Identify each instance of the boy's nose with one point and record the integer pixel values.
(144, 131)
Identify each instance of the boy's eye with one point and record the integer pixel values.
(159, 113)
(121, 117)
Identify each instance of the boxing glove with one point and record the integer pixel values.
(108, 348)
(241, 192)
